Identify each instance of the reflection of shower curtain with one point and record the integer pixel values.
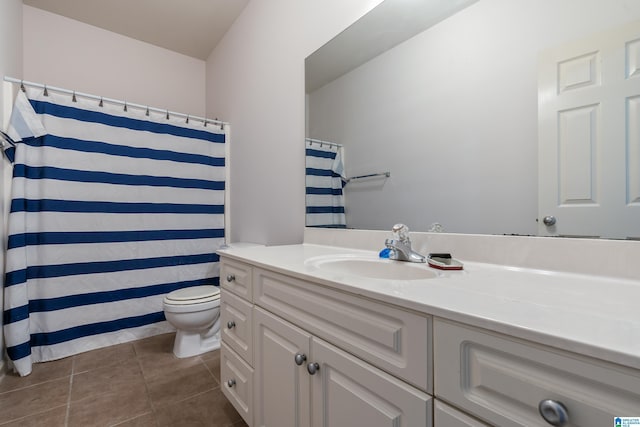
(109, 212)
(324, 197)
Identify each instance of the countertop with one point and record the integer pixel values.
(591, 315)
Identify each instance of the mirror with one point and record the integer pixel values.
(451, 112)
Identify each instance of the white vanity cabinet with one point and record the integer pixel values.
(299, 351)
(326, 358)
(503, 380)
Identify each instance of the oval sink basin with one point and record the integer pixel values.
(374, 268)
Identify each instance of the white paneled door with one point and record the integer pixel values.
(589, 136)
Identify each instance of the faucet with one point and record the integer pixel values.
(400, 245)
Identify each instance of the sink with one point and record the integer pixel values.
(372, 267)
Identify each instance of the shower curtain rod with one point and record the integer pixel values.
(319, 141)
(115, 101)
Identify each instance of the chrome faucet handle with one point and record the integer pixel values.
(401, 232)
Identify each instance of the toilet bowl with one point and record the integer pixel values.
(195, 313)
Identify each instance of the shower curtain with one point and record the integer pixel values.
(110, 211)
(324, 184)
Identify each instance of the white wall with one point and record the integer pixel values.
(255, 80)
(69, 54)
(10, 64)
(452, 113)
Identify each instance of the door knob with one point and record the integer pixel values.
(300, 358)
(549, 220)
(312, 368)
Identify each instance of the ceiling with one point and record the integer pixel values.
(190, 27)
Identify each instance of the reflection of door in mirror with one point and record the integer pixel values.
(589, 136)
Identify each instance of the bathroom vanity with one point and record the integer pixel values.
(320, 335)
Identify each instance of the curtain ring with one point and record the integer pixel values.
(125, 105)
(46, 92)
(22, 86)
(146, 113)
(167, 114)
(101, 103)
(205, 122)
(187, 121)
(73, 98)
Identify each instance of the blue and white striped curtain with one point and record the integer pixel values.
(110, 211)
(324, 184)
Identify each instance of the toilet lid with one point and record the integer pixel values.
(194, 294)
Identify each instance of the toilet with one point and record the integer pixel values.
(195, 313)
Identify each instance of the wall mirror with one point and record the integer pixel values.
(462, 129)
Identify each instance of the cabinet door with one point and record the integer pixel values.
(446, 416)
(347, 391)
(281, 385)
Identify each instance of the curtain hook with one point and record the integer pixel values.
(146, 113)
(167, 114)
(73, 98)
(101, 103)
(46, 92)
(125, 105)
(187, 121)
(22, 86)
(205, 122)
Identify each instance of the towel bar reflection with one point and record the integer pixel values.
(371, 175)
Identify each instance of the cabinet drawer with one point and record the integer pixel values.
(392, 339)
(236, 277)
(502, 380)
(236, 324)
(446, 416)
(236, 382)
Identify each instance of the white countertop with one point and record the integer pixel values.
(591, 315)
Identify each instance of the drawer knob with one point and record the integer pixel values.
(553, 412)
(230, 278)
(231, 383)
(231, 324)
(300, 358)
(312, 368)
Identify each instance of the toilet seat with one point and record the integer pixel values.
(193, 295)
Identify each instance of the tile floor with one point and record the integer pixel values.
(134, 384)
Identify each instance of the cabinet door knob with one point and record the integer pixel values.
(312, 368)
(300, 358)
(230, 278)
(231, 324)
(231, 383)
(553, 412)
